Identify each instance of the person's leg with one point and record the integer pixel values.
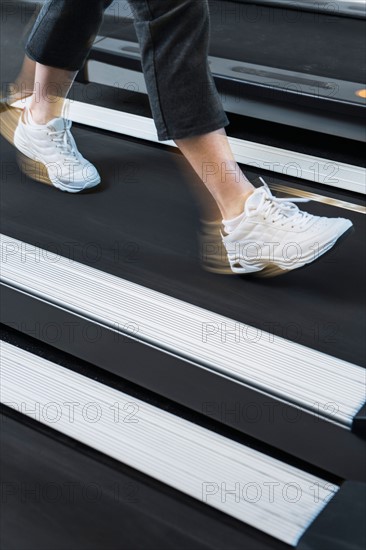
(51, 87)
(47, 87)
(23, 85)
(186, 107)
(259, 228)
(211, 157)
(59, 43)
(56, 49)
(174, 41)
(61, 34)
(223, 197)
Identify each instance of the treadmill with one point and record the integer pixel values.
(213, 412)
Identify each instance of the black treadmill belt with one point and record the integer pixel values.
(294, 40)
(141, 224)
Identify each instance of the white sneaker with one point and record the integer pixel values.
(53, 146)
(8, 120)
(212, 250)
(274, 236)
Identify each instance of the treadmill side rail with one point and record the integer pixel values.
(207, 466)
(285, 370)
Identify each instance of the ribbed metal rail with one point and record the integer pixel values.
(259, 490)
(294, 373)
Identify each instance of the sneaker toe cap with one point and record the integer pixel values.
(338, 226)
(85, 179)
(341, 225)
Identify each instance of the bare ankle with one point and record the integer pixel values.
(43, 110)
(39, 115)
(235, 207)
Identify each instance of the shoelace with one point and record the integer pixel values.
(283, 209)
(61, 138)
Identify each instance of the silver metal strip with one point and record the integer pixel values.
(319, 383)
(271, 77)
(350, 8)
(125, 79)
(265, 157)
(345, 205)
(265, 493)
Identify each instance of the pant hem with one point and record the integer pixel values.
(47, 63)
(197, 131)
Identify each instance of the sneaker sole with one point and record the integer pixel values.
(273, 270)
(37, 171)
(9, 118)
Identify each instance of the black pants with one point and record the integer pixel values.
(174, 40)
